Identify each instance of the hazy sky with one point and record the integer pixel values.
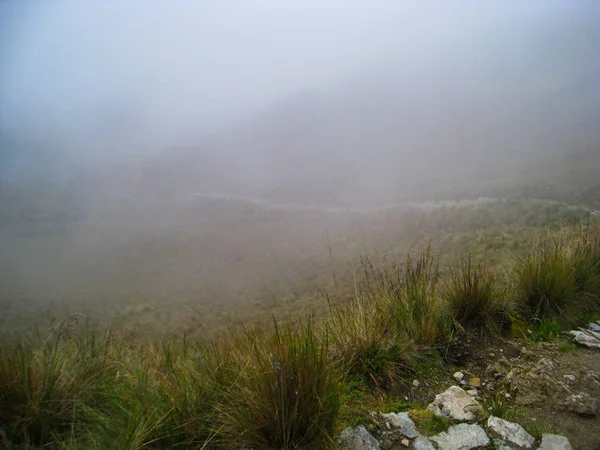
(175, 68)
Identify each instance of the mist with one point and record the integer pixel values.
(175, 152)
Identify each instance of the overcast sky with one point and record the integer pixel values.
(184, 67)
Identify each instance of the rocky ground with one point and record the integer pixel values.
(505, 394)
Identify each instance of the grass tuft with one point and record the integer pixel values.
(475, 299)
(288, 396)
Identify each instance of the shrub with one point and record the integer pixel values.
(475, 299)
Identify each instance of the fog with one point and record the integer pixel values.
(144, 146)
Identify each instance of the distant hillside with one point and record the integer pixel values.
(402, 136)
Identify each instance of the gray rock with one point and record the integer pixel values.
(396, 422)
(594, 327)
(461, 437)
(423, 443)
(510, 432)
(456, 404)
(583, 404)
(406, 425)
(501, 445)
(586, 338)
(554, 442)
(357, 439)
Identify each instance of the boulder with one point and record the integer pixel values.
(510, 432)
(461, 437)
(455, 404)
(357, 439)
(554, 442)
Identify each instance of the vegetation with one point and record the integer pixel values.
(558, 279)
(475, 299)
(293, 385)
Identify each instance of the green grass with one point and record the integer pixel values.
(363, 344)
(417, 307)
(475, 298)
(428, 423)
(558, 280)
(499, 406)
(289, 394)
(49, 386)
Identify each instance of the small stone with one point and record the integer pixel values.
(357, 439)
(507, 395)
(472, 393)
(463, 382)
(475, 382)
(461, 437)
(569, 377)
(458, 376)
(554, 442)
(405, 442)
(492, 355)
(423, 443)
(416, 383)
(510, 432)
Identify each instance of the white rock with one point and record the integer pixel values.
(357, 439)
(456, 404)
(510, 432)
(588, 338)
(458, 376)
(461, 437)
(472, 393)
(416, 383)
(423, 443)
(554, 442)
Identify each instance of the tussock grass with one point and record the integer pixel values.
(283, 388)
(48, 386)
(416, 306)
(288, 395)
(475, 298)
(364, 345)
(558, 280)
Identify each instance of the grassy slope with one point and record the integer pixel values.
(283, 388)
